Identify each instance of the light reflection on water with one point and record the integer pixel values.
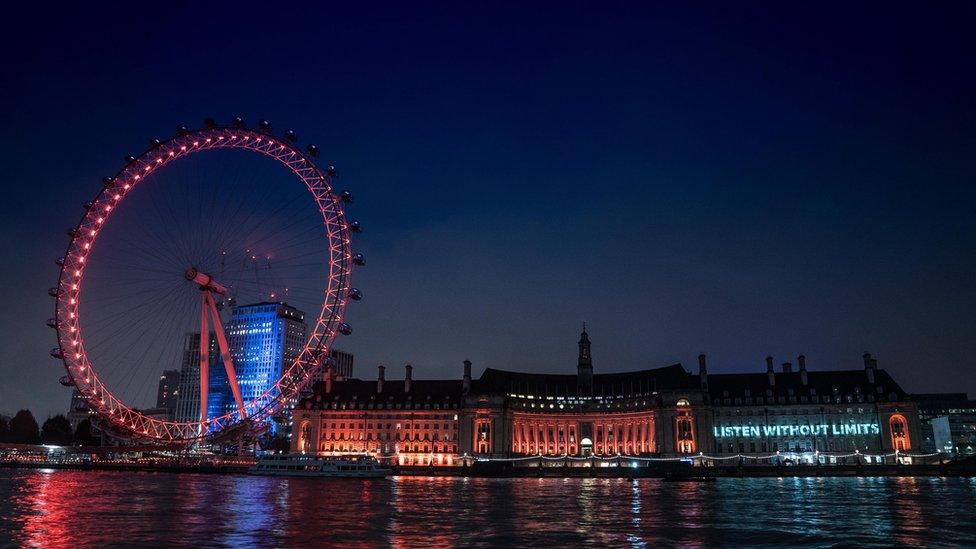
(74, 508)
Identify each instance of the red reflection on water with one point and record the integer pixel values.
(95, 509)
(50, 505)
(419, 505)
(911, 522)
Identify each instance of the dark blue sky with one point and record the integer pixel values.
(738, 181)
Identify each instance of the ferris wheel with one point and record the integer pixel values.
(171, 259)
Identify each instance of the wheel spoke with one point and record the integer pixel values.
(247, 232)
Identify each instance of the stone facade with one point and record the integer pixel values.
(660, 412)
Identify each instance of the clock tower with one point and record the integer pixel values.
(584, 366)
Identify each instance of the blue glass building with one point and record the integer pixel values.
(263, 339)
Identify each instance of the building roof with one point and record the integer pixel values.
(623, 384)
(836, 386)
(935, 404)
(940, 397)
(446, 393)
(725, 389)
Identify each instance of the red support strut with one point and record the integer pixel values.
(225, 352)
(208, 286)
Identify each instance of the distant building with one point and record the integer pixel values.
(941, 435)
(188, 397)
(341, 367)
(776, 416)
(78, 409)
(264, 339)
(168, 391)
(948, 422)
(162, 414)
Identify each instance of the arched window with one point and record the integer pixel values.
(304, 437)
(483, 436)
(684, 434)
(900, 440)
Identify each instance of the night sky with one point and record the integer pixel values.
(742, 182)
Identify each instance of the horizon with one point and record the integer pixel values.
(777, 368)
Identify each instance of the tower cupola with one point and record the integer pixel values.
(584, 366)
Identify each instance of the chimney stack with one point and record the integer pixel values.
(769, 371)
(466, 380)
(328, 378)
(408, 378)
(802, 361)
(380, 376)
(703, 372)
(870, 365)
(787, 368)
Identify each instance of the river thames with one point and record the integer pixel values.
(46, 508)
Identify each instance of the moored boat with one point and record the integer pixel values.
(310, 465)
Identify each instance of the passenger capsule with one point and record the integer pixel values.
(210, 122)
(328, 361)
(313, 151)
(264, 126)
(130, 159)
(52, 323)
(355, 294)
(72, 232)
(89, 204)
(65, 381)
(355, 227)
(344, 329)
(238, 122)
(359, 259)
(331, 171)
(107, 181)
(59, 262)
(346, 197)
(53, 292)
(155, 143)
(57, 353)
(182, 130)
(290, 136)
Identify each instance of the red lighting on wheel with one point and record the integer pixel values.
(321, 333)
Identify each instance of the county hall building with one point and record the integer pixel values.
(658, 412)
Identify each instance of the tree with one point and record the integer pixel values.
(56, 430)
(84, 435)
(281, 443)
(4, 429)
(274, 443)
(23, 428)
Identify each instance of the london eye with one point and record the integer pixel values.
(170, 258)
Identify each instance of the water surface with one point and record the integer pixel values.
(47, 508)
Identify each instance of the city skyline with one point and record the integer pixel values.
(488, 274)
(741, 201)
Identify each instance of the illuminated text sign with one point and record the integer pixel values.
(814, 429)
